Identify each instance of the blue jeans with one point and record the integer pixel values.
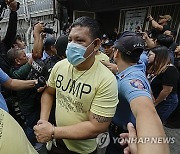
(166, 107)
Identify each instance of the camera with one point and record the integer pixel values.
(48, 30)
(41, 82)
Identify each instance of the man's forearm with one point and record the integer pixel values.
(38, 46)
(151, 128)
(46, 105)
(148, 125)
(80, 131)
(15, 84)
(11, 31)
(156, 25)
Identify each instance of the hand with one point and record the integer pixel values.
(12, 4)
(43, 35)
(112, 67)
(132, 147)
(38, 28)
(43, 131)
(8, 1)
(145, 35)
(41, 89)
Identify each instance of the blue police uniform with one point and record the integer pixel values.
(132, 83)
(3, 78)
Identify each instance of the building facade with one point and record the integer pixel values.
(118, 15)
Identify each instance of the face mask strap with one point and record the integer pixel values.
(88, 47)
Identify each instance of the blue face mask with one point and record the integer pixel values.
(75, 53)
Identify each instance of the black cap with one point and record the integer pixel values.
(131, 44)
(108, 43)
(49, 41)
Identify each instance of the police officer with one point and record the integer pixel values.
(135, 103)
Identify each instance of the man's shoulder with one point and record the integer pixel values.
(63, 62)
(102, 56)
(61, 65)
(102, 69)
(3, 76)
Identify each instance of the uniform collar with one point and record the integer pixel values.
(137, 67)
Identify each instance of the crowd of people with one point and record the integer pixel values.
(70, 89)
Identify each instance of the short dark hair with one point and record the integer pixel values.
(164, 40)
(61, 45)
(130, 59)
(92, 24)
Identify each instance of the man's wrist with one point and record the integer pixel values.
(53, 132)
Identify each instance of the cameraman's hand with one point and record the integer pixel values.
(132, 147)
(38, 27)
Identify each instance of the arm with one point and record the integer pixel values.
(169, 80)
(163, 94)
(22, 72)
(143, 110)
(46, 102)
(15, 84)
(150, 42)
(12, 25)
(155, 24)
(84, 130)
(38, 40)
(112, 67)
(89, 129)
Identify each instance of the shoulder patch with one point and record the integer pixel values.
(137, 84)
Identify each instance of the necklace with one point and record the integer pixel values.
(74, 80)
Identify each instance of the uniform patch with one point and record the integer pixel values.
(137, 84)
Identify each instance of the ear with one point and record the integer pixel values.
(17, 61)
(97, 44)
(54, 49)
(116, 53)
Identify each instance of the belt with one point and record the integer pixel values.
(116, 129)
